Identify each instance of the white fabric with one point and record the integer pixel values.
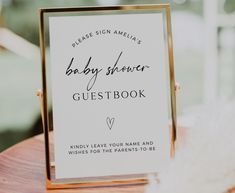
(206, 163)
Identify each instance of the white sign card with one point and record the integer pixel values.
(110, 94)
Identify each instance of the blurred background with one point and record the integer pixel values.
(204, 52)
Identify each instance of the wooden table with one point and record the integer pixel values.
(22, 170)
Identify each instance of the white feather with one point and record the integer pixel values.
(206, 163)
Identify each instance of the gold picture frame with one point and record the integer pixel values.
(51, 182)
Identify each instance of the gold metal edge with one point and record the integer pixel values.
(97, 184)
(106, 8)
(172, 82)
(44, 94)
